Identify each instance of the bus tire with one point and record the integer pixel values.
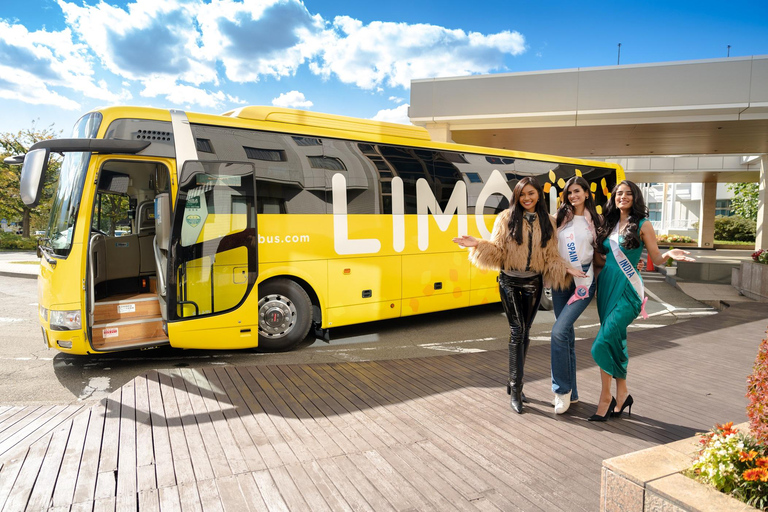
(285, 315)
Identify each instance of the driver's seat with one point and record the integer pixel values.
(160, 245)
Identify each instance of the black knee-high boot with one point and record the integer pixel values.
(515, 386)
(520, 298)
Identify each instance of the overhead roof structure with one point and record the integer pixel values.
(702, 107)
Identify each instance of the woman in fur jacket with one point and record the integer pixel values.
(523, 246)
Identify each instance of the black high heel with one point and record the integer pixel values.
(627, 403)
(597, 417)
(509, 392)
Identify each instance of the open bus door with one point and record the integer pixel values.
(211, 297)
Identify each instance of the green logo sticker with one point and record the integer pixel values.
(193, 203)
(193, 220)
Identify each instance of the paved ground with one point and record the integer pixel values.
(430, 433)
(61, 379)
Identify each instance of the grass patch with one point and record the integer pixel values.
(25, 262)
(730, 242)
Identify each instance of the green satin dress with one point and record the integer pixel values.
(618, 305)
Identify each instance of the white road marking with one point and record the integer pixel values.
(6, 320)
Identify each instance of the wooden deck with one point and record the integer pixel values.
(431, 433)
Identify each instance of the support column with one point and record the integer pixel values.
(440, 132)
(707, 214)
(761, 241)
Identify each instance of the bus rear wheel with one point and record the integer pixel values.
(285, 315)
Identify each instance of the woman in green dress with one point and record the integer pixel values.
(620, 294)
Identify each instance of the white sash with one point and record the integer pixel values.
(582, 283)
(627, 269)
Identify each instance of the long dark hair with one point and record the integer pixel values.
(566, 208)
(611, 216)
(516, 217)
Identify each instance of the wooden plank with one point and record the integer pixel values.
(209, 496)
(229, 409)
(12, 414)
(145, 443)
(86, 506)
(30, 468)
(259, 386)
(42, 493)
(324, 417)
(126, 469)
(282, 401)
(183, 470)
(192, 437)
(325, 485)
(306, 486)
(161, 444)
(267, 456)
(251, 493)
(310, 418)
(209, 435)
(232, 499)
(64, 491)
(272, 436)
(189, 498)
(169, 499)
(230, 448)
(87, 475)
(346, 487)
(105, 504)
(126, 503)
(8, 475)
(343, 466)
(111, 434)
(149, 500)
(269, 491)
(34, 426)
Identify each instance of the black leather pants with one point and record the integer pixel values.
(520, 297)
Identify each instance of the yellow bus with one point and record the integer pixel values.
(256, 227)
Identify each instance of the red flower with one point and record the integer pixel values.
(747, 456)
(755, 474)
(762, 462)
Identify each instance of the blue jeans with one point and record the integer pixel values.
(563, 350)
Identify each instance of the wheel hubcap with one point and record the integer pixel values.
(277, 316)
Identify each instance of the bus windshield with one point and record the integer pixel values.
(66, 202)
(69, 188)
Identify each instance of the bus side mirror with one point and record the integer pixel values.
(32, 172)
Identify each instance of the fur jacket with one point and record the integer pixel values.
(502, 252)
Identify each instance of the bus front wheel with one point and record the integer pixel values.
(285, 315)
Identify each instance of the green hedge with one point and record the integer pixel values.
(14, 241)
(735, 228)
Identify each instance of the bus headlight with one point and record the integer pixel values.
(65, 320)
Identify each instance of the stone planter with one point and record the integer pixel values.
(751, 279)
(651, 480)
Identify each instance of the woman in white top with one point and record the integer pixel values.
(577, 223)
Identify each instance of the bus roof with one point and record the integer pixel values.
(330, 121)
(329, 125)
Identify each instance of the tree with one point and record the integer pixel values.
(11, 205)
(744, 202)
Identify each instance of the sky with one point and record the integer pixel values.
(59, 58)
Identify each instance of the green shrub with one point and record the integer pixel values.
(735, 228)
(14, 241)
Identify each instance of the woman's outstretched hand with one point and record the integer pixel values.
(466, 241)
(679, 255)
(576, 272)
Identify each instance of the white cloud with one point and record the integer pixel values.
(37, 64)
(292, 99)
(394, 115)
(396, 99)
(181, 94)
(394, 53)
